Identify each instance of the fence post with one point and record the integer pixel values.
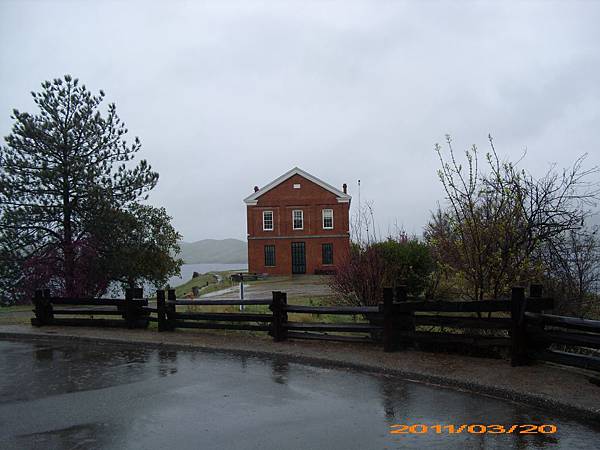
(276, 323)
(140, 316)
(161, 311)
(403, 321)
(128, 311)
(536, 290)
(284, 315)
(38, 320)
(171, 310)
(401, 293)
(388, 320)
(517, 335)
(277, 306)
(48, 310)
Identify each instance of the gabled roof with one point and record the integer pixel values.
(341, 197)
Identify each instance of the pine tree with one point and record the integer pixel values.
(60, 167)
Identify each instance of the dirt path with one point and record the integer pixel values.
(299, 286)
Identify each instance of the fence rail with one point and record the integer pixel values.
(562, 321)
(533, 304)
(349, 310)
(169, 318)
(578, 335)
(463, 322)
(330, 331)
(218, 302)
(132, 309)
(519, 324)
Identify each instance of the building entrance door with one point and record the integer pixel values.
(298, 257)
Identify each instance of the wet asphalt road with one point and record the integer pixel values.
(66, 396)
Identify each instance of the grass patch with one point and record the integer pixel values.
(206, 282)
(16, 308)
(15, 320)
(201, 282)
(16, 315)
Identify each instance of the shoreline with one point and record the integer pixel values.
(567, 392)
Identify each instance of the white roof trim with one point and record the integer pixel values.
(341, 197)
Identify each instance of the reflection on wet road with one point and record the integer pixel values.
(65, 395)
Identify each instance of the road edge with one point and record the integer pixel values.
(540, 401)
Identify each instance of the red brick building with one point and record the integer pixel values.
(297, 224)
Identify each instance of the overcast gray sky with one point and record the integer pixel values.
(228, 95)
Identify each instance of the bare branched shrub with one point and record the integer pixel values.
(359, 280)
(497, 221)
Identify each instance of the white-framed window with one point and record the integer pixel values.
(297, 219)
(328, 219)
(268, 220)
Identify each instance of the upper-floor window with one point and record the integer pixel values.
(298, 219)
(328, 219)
(268, 220)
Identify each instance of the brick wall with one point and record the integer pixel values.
(282, 200)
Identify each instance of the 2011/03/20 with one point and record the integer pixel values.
(420, 428)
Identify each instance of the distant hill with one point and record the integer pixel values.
(224, 251)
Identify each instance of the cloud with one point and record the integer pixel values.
(228, 95)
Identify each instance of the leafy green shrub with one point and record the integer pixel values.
(408, 262)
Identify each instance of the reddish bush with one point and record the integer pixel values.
(359, 279)
(46, 270)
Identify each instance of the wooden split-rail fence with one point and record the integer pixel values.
(521, 324)
(130, 312)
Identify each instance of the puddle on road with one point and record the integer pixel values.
(65, 395)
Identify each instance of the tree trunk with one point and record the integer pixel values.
(67, 244)
(68, 252)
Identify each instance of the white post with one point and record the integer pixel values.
(241, 290)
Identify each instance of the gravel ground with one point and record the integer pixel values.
(568, 391)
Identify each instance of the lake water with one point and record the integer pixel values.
(63, 395)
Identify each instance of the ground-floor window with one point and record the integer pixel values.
(327, 253)
(269, 255)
